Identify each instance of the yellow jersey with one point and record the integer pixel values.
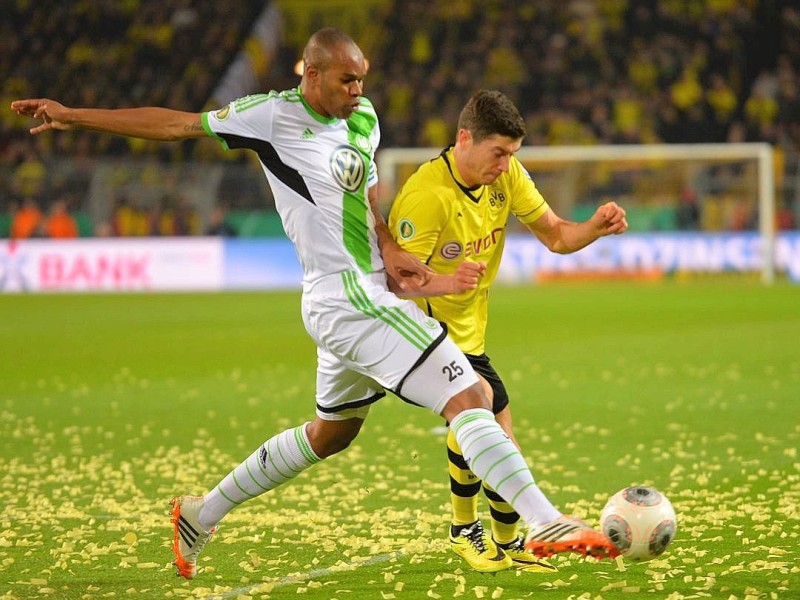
(443, 222)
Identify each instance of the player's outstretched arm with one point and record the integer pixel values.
(465, 278)
(564, 237)
(152, 123)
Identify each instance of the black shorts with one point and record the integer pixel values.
(484, 368)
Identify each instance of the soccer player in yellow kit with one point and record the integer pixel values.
(455, 208)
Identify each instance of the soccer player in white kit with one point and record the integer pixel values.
(316, 144)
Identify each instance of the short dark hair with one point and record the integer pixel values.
(320, 46)
(490, 112)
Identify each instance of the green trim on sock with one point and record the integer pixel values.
(224, 495)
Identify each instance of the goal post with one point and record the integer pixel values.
(653, 175)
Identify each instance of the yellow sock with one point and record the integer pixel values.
(464, 485)
(504, 519)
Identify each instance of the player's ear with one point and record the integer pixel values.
(310, 72)
(463, 136)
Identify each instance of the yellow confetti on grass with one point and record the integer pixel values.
(614, 586)
(706, 518)
(620, 563)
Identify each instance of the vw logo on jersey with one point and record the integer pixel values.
(348, 168)
(451, 250)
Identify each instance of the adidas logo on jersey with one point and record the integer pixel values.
(307, 134)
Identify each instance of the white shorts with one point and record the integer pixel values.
(369, 340)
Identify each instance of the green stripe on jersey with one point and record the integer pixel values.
(355, 230)
(356, 204)
(292, 95)
(414, 333)
(242, 104)
(363, 121)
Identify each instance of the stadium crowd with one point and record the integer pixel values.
(596, 72)
(582, 72)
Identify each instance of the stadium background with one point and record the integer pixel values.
(623, 71)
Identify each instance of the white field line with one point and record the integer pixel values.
(291, 579)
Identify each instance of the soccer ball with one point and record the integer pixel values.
(640, 521)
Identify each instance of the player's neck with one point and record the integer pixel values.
(311, 100)
(461, 170)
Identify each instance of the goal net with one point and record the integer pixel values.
(691, 207)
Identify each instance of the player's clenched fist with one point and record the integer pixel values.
(609, 218)
(467, 276)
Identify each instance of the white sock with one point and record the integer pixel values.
(494, 458)
(279, 459)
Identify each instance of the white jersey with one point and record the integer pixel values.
(367, 338)
(319, 169)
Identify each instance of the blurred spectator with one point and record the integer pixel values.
(687, 215)
(218, 224)
(27, 220)
(628, 115)
(784, 218)
(103, 230)
(722, 100)
(712, 218)
(177, 217)
(739, 213)
(59, 224)
(435, 132)
(761, 108)
(29, 175)
(686, 92)
(129, 219)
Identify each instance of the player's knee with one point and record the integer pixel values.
(331, 437)
(326, 448)
(325, 445)
(472, 397)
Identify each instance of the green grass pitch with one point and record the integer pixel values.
(111, 404)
